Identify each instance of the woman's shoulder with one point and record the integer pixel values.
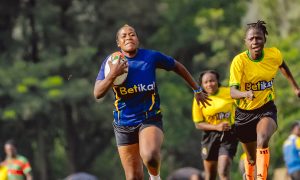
(271, 49)
(243, 53)
(143, 50)
(240, 57)
(224, 90)
(148, 52)
(273, 52)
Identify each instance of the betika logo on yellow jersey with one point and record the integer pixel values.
(137, 89)
(259, 86)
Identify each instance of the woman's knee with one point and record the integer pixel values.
(265, 129)
(151, 158)
(224, 167)
(223, 173)
(263, 140)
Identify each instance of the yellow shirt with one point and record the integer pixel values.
(3, 172)
(221, 110)
(256, 75)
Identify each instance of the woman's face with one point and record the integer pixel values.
(10, 150)
(127, 39)
(255, 41)
(210, 83)
(297, 130)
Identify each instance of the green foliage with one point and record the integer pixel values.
(219, 31)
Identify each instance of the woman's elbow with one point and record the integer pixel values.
(198, 126)
(98, 95)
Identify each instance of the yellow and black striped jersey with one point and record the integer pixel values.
(256, 75)
(221, 110)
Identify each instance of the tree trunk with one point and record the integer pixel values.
(8, 14)
(43, 162)
(72, 140)
(33, 50)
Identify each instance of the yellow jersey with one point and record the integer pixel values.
(256, 75)
(221, 110)
(3, 172)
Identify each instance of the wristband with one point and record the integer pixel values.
(197, 91)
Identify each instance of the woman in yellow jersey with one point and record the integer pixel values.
(218, 142)
(252, 73)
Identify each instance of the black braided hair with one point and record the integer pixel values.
(212, 72)
(259, 25)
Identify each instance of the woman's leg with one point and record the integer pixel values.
(224, 164)
(210, 168)
(249, 162)
(131, 161)
(151, 139)
(265, 129)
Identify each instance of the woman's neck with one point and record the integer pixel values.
(130, 54)
(255, 55)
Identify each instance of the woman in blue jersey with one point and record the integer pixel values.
(291, 151)
(218, 143)
(137, 116)
(252, 74)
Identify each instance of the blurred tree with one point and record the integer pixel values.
(9, 11)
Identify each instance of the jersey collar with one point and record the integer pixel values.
(256, 60)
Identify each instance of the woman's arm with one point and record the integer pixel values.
(200, 96)
(288, 75)
(223, 126)
(235, 93)
(102, 86)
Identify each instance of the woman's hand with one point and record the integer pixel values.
(118, 68)
(249, 95)
(202, 97)
(223, 126)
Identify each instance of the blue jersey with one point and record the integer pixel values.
(137, 98)
(291, 153)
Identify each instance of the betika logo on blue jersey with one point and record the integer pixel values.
(136, 89)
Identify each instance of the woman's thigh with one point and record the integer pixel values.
(131, 160)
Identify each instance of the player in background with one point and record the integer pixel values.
(291, 151)
(18, 167)
(252, 74)
(218, 142)
(137, 121)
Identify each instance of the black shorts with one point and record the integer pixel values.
(126, 135)
(246, 121)
(295, 175)
(215, 143)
